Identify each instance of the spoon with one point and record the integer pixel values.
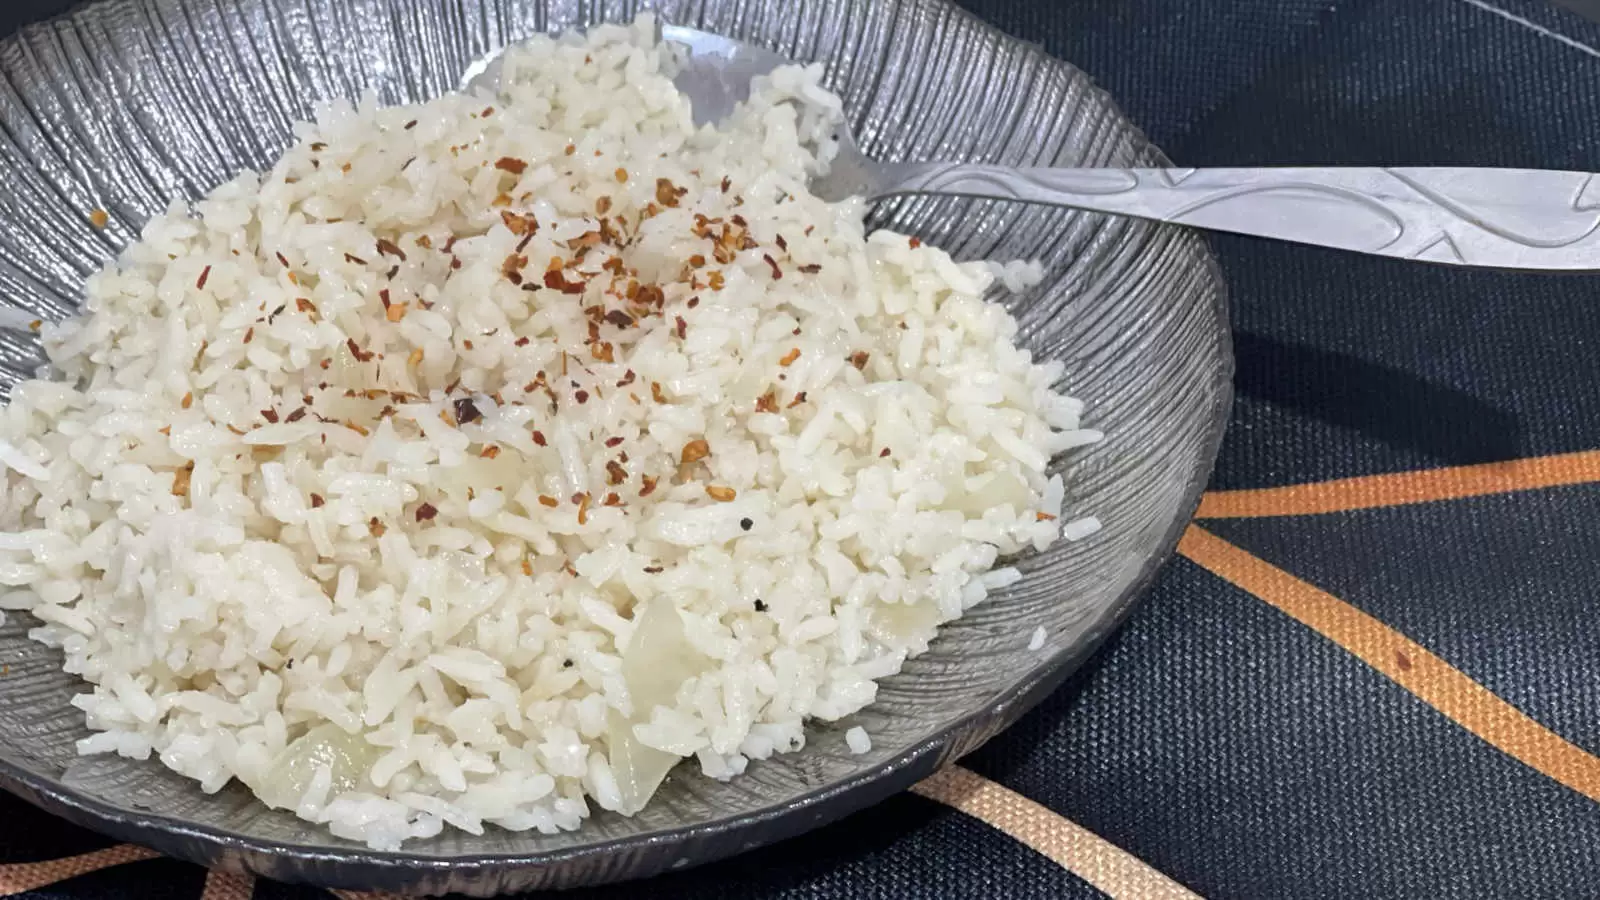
(1537, 219)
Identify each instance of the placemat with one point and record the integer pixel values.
(1372, 671)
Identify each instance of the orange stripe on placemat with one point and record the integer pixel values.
(1079, 850)
(1401, 488)
(228, 886)
(1439, 684)
(18, 878)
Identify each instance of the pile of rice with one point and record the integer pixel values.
(489, 456)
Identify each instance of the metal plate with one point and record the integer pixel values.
(127, 104)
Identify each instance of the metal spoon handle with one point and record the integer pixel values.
(1503, 218)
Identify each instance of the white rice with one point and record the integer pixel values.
(1037, 639)
(339, 492)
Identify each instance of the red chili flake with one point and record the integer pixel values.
(298, 414)
(811, 268)
(250, 334)
(487, 111)
(883, 453)
(585, 241)
(716, 281)
(489, 452)
(411, 124)
(455, 263)
(467, 411)
(613, 500)
(354, 259)
(1044, 517)
(188, 400)
(99, 218)
(726, 183)
(798, 399)
(721, 494)
(318, 147)
(681, 326)
(571, 149)
(522, 342)
(789, 358)
(783, 244)
(622, 174)
(511, 164)
(389, 248)
(583, 508)
(554, 281)
(666, 192)
(649, 487)
(200, 284)
(777, 273)
(304, 304)
(767, 402)
(612, 442)
(317, 501)
(697, 261)
(655, 392)
(523, 225)
(180, 480)
(549, 501)
(271, 415)
(375, 528)
(915, 243)
(283, 261)
(694, 451)
(615, 473)
(426, 512)
(619, 318)
(859, 359)
(356, 351)
(383, 297)
(653, 570)
(603, 351)
(538, 438)
(650, 295)
(581, 396)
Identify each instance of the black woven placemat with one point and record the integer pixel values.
(1373, 672)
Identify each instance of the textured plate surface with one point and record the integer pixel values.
(127, 104)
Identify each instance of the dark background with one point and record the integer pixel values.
(1213, 737)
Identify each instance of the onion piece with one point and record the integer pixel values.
(659, 658)
(638, 768)
(348, 757)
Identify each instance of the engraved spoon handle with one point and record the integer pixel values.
(1502, 218)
